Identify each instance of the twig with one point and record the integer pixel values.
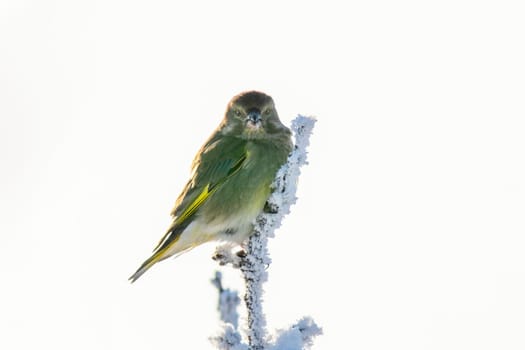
(253, 265)
(256, 259)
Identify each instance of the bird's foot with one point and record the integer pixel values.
(224, 256)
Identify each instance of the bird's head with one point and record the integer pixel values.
(252, 115)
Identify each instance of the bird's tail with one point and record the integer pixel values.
(170, 245)
(146, 265)
(164, 250)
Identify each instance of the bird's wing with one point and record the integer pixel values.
(217, 161)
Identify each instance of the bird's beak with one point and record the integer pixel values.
(253, 119)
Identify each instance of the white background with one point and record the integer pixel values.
(409, 229)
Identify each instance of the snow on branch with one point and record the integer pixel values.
(299, 336)
(229, 338)
(228, 302)
(254, 262)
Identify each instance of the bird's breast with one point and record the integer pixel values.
(243, 196)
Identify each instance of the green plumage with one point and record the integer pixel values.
(231, 178)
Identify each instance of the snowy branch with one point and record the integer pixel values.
(229, 338)
(254, 262)
(299, 336)
(228, 302)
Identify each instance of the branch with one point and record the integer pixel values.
(228, 302)
(253, 265)
(254, 262)
(298, 337)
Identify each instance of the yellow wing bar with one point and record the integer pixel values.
(195, 204)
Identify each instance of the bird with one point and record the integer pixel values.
(231, 179)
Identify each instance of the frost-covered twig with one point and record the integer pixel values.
(298, 337)
(228, 339)
(253, 265)
(228, 302)
(253, 268)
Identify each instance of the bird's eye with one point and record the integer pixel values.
(267, 111)
(237, 113)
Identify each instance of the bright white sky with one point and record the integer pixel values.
(409, 232)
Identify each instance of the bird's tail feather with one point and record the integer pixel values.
(163, 252)
(144, 267)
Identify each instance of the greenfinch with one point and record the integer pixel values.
(230, 181)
